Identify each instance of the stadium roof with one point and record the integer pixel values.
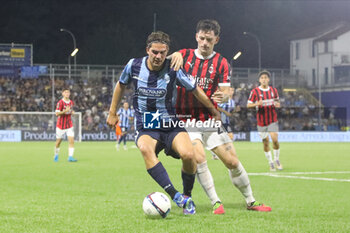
(334, 34)
(323, 32)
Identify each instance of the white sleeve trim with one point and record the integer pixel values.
(224, 84)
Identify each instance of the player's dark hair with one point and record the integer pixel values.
(264, 72)
(207, 25)
(65, 89)
(158, 37)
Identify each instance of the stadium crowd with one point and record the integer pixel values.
(92, 98)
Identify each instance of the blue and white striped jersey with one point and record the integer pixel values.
(124, 116)
(154, 90)
(228, 106)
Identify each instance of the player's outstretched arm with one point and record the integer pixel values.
(203, 98)
(117, 95)
(176, 60)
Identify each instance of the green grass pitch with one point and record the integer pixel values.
(104, 191)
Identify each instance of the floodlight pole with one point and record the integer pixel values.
(74, 49)
(259, 46)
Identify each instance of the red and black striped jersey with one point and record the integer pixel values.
(266, 114)
(208, 74)
(64, 121)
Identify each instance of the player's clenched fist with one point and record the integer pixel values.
(112, 120)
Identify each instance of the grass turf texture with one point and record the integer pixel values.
(104, 191)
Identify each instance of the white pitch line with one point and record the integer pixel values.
(304, 177)
(310, 178)
(301, 173)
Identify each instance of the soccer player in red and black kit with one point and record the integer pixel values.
(64, 111)
(211, 72)
(266, 99)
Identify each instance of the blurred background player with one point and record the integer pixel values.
(211, 73)
(64, 111)
(265, 99)
(125, 117)
(118, 134)
(155, 95)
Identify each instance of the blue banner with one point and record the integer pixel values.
(14, 56)
(32, 71)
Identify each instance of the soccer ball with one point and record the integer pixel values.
(156, 204)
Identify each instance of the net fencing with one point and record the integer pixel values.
(37, 126)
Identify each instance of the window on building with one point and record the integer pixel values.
(297, 50)
(326, 46)
(313, 49)
(326, 75)
(313, 77)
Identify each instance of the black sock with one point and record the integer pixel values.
(160, 175)
(120, 139)
(187, 182)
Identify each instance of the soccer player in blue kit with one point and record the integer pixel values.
(155, 94)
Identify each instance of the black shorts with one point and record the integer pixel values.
(164, 137)
(228, 128)
(124, 129)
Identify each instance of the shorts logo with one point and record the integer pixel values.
(151, 120)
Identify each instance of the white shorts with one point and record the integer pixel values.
(61, 132)
(264, 131)
(211, 139)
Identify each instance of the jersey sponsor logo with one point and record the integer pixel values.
(268, 102)
(203, 82)
(151, 92)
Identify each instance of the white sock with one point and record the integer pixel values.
(70, 152)
(276, 154)
(269, 156)
(57, 150)
(240, 179)
(206, 180)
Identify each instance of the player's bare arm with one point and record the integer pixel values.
(277, 103)
(252, 105)
(221, 95)
(202, 97)
(64, 111)
(176, 60)
(229, 114)
(113, 118)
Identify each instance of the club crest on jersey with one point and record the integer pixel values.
(167, 78)
(151, 92)
(211, 69)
